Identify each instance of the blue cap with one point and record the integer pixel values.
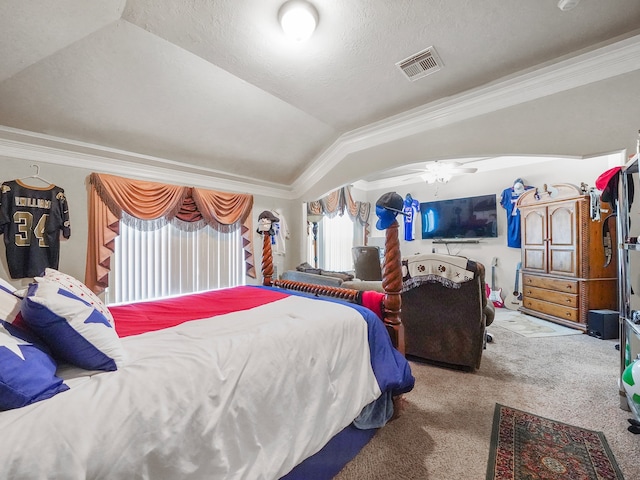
(387, 207)
(385, 218)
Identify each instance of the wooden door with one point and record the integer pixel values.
(563, 238)
(534, 239)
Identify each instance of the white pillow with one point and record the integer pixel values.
(74, 330)
(9, 303)
(78, 288)
(7, 286)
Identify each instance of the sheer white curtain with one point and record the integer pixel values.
(170, 261)
(343, 226)
(335, 239)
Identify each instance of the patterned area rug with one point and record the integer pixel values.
(525, 446)
(528, 326)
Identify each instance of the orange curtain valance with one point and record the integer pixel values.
(110, 197)
(223, 209)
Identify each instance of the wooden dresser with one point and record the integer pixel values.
(564, 267)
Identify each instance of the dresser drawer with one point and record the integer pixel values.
(559, 311)
(557, 284)
(560, 298)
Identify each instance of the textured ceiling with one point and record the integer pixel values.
(214, 85)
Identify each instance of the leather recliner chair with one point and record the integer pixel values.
(445, 325)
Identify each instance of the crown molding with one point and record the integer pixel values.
(613, 59)
(34, 147)
(610, 60)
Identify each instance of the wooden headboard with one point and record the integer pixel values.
(391, 283)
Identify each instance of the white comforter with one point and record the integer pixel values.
(247, 395)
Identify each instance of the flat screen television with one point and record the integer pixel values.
(470, 217)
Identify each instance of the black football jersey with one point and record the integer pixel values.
(32, 219)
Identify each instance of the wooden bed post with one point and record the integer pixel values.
(267, 260)
(392, 285)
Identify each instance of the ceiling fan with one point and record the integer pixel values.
(442, 172)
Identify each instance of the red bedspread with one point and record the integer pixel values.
(136, 318)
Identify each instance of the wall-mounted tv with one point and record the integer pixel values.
(471, 217)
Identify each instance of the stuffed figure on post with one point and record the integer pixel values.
(265, 223)
(265, 228)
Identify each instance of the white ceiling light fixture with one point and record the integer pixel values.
(441, 172)
(298, 19)
(566, 5)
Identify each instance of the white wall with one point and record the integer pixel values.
(550, 171)
(74, 181)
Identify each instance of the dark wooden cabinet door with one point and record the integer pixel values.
(563, 238)
(534, 239)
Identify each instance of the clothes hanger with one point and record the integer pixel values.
(37, 176)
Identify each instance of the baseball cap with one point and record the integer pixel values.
(387, 207)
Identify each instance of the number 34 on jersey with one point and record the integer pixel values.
(32, 220)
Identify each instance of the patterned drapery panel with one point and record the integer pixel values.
(339, 201)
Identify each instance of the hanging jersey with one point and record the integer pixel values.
(31, 220)
(411, 208)
(281, 233)
(508, 202)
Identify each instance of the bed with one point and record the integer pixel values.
(251, 382)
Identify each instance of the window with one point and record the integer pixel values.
(335, 239)
(170, 261)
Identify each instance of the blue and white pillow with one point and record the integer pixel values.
(75, 331)
(76, 287)
(27, 374)
(10, 302)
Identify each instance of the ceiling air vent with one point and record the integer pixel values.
(421, 64)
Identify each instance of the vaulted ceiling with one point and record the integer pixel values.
(214, 88)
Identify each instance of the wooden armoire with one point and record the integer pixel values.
(565, 267)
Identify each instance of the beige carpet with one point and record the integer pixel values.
(445, 430)
(529, 326)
